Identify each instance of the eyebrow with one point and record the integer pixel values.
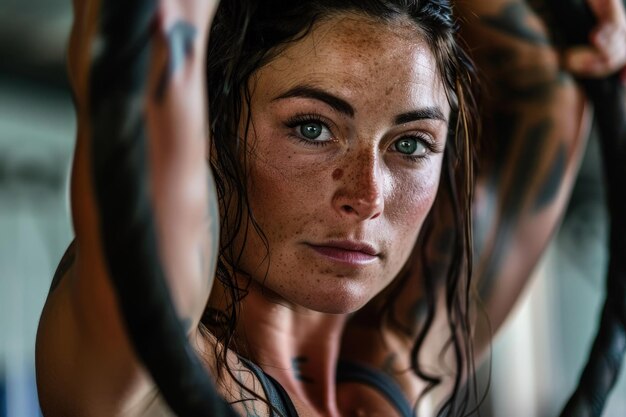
(342, 106)
(335, 102)
(421, 114)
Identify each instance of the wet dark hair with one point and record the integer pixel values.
(246, 35)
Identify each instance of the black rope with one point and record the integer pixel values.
(127, 226)
(609, 347)
(120, 169)
(609, 98)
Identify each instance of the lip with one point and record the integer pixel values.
(347, 252)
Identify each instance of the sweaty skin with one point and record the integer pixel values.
(348, 129)
(368, 86)
(352, 184)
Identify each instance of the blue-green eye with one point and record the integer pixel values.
(311, 130)
(410, 146)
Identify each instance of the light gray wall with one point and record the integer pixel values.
(36, 132)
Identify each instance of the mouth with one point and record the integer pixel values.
(347, 252)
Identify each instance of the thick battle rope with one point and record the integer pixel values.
(119, 158)
(609, 98)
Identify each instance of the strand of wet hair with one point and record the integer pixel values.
(119, 156)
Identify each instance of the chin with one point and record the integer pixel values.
(342, 296)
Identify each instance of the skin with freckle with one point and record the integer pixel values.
(298, 195)
(324, 123)
(325, 145)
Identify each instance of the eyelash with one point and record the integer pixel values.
(301, 119)
(427, 141)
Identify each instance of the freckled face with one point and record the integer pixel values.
(348, 130)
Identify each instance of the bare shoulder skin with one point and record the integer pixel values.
(537, 132)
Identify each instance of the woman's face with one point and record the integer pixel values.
(345, 150)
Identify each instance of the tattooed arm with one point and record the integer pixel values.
(85, 365)
(536, 125)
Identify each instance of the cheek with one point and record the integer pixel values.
(412, 197)
(284, 197)
(407, 208)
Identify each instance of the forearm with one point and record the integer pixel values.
(179, 185)
(93, 346)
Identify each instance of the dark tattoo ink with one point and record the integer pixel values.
(297, 363)
(525, 166)
(550, 188)
(506, 124)
(180, 40)
(519, 180)
(67, 260)
(248, 403)
(511, 21)
(515, 80)
(536, 90)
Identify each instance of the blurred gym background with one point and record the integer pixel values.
(536, 359)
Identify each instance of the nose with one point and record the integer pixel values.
(360, 193)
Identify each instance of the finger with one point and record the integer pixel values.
(607, 10)
(610, 41)
(587, 62)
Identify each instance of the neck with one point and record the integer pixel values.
(296, 346)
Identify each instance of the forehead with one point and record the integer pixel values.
(361, 59)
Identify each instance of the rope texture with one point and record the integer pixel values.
(119, 157)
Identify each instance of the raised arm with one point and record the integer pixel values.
(536, 122)
(85, 365)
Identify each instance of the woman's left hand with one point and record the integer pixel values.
(606, 53)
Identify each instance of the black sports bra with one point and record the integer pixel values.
(346, 372)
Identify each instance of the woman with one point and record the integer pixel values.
(334, 124)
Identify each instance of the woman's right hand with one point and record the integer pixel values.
(606, 52)
(85, 363)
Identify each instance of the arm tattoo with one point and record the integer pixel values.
(528, 168)
(515, 194)
(550, 188)
(64, 265)
(180, 40)
(515, 79)
(246, 399)
(511, 22)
